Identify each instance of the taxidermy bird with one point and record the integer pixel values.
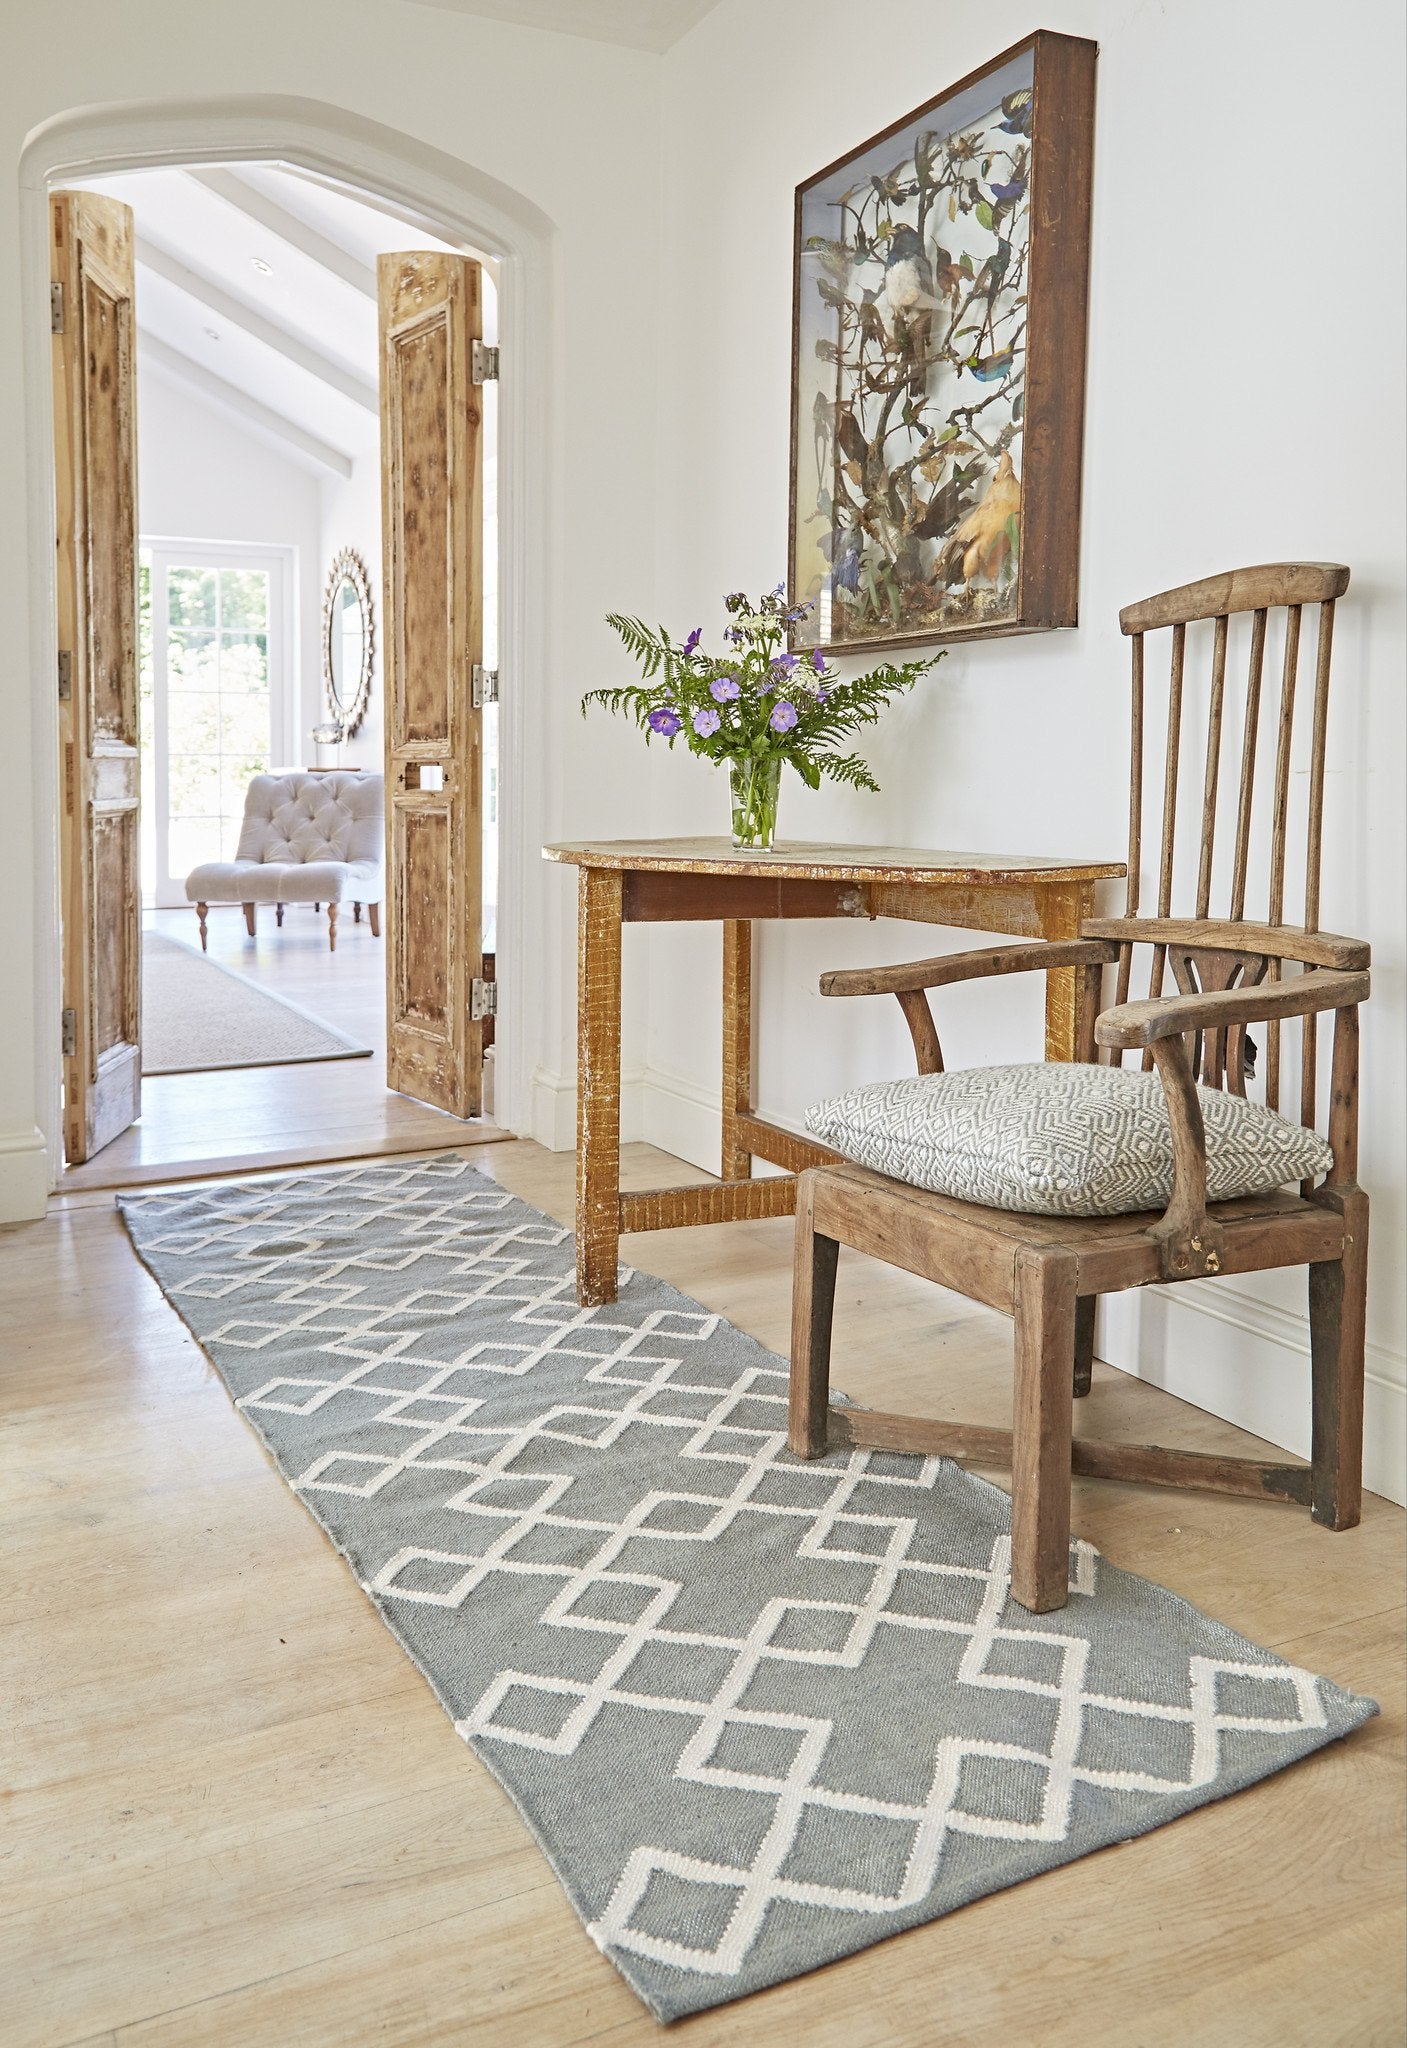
(991, 369)
(1017, 109)
(982, 543)
(908, 292)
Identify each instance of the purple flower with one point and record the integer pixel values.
(706, 722)
(693, 640)
(818, 661)
(785, 662)
(723, 689)
(665, 721)
(783, 717)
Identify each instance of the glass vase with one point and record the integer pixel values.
(754, 785)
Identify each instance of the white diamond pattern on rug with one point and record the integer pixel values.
(758, 1712)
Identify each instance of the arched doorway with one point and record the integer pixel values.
(446, 196)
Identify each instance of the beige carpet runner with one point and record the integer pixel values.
(197, 1014)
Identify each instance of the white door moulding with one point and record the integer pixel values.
(447, 198)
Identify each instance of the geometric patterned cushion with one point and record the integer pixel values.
(1058, 1139)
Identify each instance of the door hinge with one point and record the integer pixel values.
(483, 363)
(69, 1021)
(483, 999)
(65, 675)
(56, 309)
(484, 686)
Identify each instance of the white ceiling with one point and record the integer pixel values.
(256, 290)
(640, 24)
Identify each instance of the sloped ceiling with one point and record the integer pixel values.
(639, 24)
(256, 290)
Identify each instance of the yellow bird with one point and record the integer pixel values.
(983, 541)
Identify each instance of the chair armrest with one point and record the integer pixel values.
(1035, 956)
(1269, 941)
(1143, 1024)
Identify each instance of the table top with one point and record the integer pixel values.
(801, 860)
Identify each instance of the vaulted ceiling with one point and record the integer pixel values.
(256, 291)
(639, 24)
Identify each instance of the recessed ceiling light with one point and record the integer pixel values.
(264, 269)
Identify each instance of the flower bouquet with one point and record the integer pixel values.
(754, 707)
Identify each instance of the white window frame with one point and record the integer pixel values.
(280, 562)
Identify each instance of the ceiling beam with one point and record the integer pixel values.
(286, 227)
(269, 426)
(215, 299)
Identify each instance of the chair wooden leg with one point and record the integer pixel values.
(1338, 1292)
(249, 919)
(278, 913)
(200, 910)
(1084, 1343)
(1040, 1449)
(356, 913)
(812, 1310)
(332, 927)
(373, 911)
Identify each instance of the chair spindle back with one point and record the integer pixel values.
(1256, 591)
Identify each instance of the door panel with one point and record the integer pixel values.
(432, 514)
(95, 476)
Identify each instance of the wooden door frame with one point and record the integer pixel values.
(458, 203)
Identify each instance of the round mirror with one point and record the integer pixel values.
(347, 640)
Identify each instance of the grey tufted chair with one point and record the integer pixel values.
(306, 838)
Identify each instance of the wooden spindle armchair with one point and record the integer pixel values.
(1048, 1271)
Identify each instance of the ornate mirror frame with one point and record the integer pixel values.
(348, 567)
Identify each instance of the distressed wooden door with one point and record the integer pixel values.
(95, 474)
(432, 519)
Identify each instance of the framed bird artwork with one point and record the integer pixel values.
(938, 363)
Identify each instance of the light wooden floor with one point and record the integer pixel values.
(236, 1816)
(241, 1117)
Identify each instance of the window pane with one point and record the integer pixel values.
(193, 840)
(244, 662)
(192, 661)
(244, 597)
(190, 597)
(193, 722)
(194, 782)
(244, 728)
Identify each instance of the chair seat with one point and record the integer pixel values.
(1059, 1139)
(259, 881)
(976, 1246)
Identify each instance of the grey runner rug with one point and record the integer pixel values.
(198, 1014)
(757, 1713)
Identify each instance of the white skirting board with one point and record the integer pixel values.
(1208, 1342)
(24, 1176)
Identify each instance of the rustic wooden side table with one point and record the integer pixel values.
(656, 881)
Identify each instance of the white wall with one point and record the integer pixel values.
(202, 477)
(1234, 416)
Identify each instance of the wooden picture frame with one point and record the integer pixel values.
(939, 313)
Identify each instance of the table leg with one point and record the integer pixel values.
(737, 1043)
(1063, 906)
(598, 1086)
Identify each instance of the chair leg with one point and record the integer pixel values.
(373, 911)
(1084, 1343)
(356, 913)
(1040, 1447)
(812, 1310)
(332, 927)
(249, 919)
(200, 910)
(1338, 1293)
(278, 913)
